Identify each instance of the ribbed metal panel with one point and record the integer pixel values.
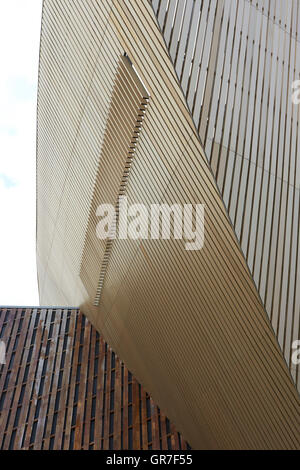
(62, 387)
(124, 123)
(190, 325)
(236, 61)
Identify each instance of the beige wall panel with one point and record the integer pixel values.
(236, 61)
(190, 325)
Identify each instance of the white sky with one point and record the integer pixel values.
(19, 51)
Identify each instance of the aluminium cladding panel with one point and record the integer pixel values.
(236, 61)
(190, 325)
(128, 105)
(63, 388)
(71, 125)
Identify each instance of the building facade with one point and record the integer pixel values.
(179, 102)
(236, 62)
(63, 388)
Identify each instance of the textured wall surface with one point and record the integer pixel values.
(236, 61)
(190, 325)
(62, 387)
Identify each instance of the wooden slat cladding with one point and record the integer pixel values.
(62, 382)
(124, 122)
(236, 61)
(189, 325)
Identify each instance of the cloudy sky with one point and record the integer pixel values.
(19, 49)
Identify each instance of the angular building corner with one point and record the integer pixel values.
(179, 102)
(63, 388)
